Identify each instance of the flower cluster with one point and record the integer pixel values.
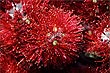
(54, 35)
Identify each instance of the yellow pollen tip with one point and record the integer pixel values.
(95, 1)
(90, 32)
(55, 29)
(27, 21)
(54, 42)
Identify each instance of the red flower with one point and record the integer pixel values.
(45, 36)
(50, 37)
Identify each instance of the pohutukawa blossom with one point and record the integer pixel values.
(50, 38)
(97, 45)
(44, 36)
